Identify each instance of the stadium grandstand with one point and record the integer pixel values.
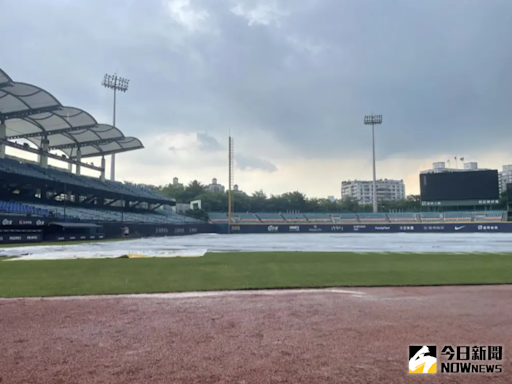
(33, 121)
(363, 218)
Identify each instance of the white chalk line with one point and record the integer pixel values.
(198, 295)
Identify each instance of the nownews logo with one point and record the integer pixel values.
(422, 359)
(460, 359)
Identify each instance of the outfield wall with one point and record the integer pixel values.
(19, 229)
(136, 230)
(367, 228)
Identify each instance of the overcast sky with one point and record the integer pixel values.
(290, 79)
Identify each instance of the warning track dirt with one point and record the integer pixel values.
(317, 336)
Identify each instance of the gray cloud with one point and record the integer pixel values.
(249, 163)
(305, 72)
(208, 143)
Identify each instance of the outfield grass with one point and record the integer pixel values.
(221, 271)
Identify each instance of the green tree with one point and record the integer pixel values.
(197, 214)
(286, 202)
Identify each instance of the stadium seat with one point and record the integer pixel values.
(138, 191)
(489, 216)
(246, 217)
(458, 216)
(372, 217)
(218, 217)
(430, 217)
(318, 217)
(266, 217)
(294, 217)
(344, 218)
(76, 213)
(402, 217)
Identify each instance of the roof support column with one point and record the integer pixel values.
(3, 136)
(43, 159)
(70, 167)
(113, 167)
(78, 160)
(102, 177)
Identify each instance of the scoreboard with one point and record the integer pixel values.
(479, 186)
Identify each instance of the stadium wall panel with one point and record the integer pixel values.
(57, 238)
(151, 230)
(18, 238)
(368, 228)
(8, 221)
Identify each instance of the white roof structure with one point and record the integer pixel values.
(31, 113)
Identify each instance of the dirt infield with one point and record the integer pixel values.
(331, 336)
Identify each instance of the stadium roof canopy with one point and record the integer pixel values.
(107, 147)
(32, 113)
(4, 77)
(20, 99)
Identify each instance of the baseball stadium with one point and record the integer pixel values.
(103, 281)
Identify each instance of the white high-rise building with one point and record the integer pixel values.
(362, 191)
(471, 166)
(505, 177)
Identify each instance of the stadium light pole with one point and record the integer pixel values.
(115, 83)
(373, 120)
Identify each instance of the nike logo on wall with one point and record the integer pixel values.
(457, 228)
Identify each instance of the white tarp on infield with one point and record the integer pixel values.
(198, 245)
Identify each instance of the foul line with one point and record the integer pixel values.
(196, 295)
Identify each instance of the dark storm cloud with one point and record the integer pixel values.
(307, 72)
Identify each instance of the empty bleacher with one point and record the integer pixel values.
(62, 176)
(76, 213)
(346, 218)
(318, 217)
(294, 217)
(490, 216)
(15, 208)
(14, 166)
(101, 215)
(218, 217)
(365, 217)
(246, 217)
(402, 217)
(267, 217)
(426, 217)
(464, 216)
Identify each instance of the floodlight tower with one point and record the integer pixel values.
(373, 120)
(115, 83)
(231, 163)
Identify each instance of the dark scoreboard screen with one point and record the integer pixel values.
(466, 185)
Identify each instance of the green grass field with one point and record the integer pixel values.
(224, 271)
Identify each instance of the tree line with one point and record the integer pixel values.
(287, 202)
